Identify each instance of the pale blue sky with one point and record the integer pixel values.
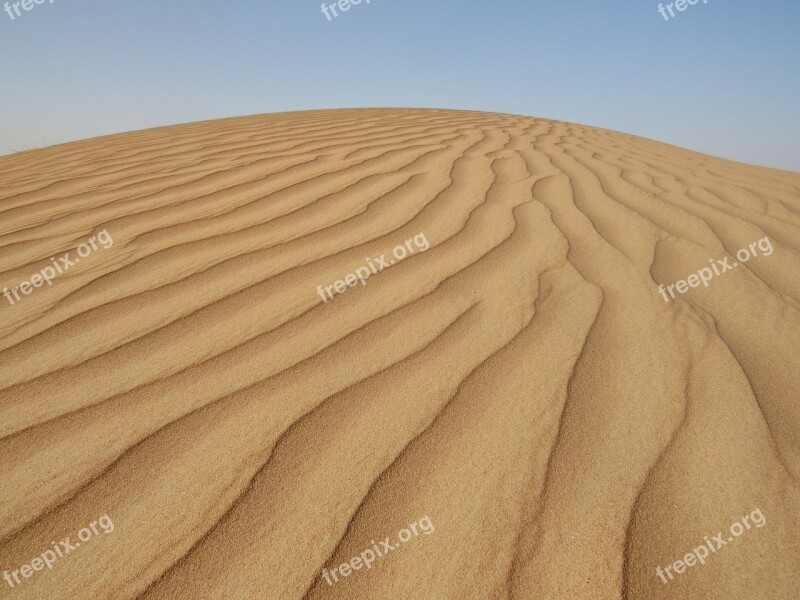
(721, 77)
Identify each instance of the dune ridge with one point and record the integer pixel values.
(522, 382)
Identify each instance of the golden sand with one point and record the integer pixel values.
(521, 382)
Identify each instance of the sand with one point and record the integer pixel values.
(522, 382)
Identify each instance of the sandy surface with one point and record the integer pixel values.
(521, 382)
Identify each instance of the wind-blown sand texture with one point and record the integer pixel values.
(522, 382)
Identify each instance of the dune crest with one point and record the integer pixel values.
(522, 382)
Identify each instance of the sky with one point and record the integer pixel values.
(722, 77)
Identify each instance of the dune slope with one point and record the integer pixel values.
(517, 377)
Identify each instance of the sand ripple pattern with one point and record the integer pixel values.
(521, 382)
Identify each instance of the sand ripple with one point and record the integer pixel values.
(522, 382)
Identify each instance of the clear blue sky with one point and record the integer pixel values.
(722, 77)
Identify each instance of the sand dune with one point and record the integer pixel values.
(521, 382)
